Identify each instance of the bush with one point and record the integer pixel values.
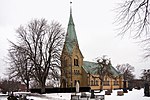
(61, 90)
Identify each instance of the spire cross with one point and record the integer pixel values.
(70, 2)
(70, 7)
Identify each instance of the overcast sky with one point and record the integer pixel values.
(93, 22)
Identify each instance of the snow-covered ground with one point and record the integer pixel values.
(131, 95)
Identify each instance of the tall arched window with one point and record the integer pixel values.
(116, 82)
(76, 61)
(92, 82)
(96, 82)
(106, 82)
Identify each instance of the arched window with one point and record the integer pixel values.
(96, 82)
(76, 72)
(92, 82)
(76, 62)
(116, 82)
(106, 82)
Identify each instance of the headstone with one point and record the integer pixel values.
(83, 94)
(120, 93)
(130, 89)
(146, 89)
(75, 97)
(125, 90)
(99, 97)
(107, 92)
(110, 90)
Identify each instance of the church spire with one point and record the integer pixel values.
(71, 38)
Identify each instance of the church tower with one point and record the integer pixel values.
(71, 58)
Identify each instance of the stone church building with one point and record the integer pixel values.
(74, 69)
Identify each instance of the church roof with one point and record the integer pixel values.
(71, 38)
(89, 67)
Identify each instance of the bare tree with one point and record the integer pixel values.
(134, 16)
(146, 75)
(42, 43)
(146, 47)
(126, 70)
(20, 67)
(103, 69)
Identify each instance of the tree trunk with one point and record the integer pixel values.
(27, 85)
(101, 86)
(42, 87)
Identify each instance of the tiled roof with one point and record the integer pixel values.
(90, 67)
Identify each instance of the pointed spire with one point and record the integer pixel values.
(71, 38)
(71, 33)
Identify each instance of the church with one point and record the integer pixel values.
(74, 69)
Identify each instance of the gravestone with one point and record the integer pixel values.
(120, 93)
(99, 97)
(75, 97)
(146, 89)
(125, 90)
(107, 92)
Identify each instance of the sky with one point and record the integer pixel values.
(94, 23)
